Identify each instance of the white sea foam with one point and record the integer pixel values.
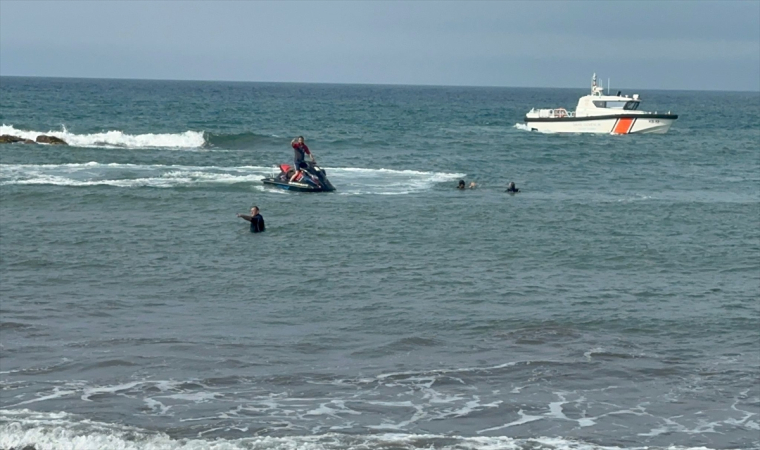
(47, 431)
(591, 352)
(455, 370)
(91, 391)
(115, 138)
(352, 181)
(524, 127)
(57, 393)
(336, 408)
(156, 406)
(524, 418)
(197, 397)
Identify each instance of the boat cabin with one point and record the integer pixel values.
(597, 104)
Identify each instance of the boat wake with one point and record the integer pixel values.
(349, 181)
(524, 127)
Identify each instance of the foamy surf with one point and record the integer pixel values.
(354, 181)
(524, 127)
(53, 430)
(351, 181)
(116, 139)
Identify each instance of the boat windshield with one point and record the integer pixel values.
(627, 105)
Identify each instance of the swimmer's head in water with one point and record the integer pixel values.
(511, 184)
(461, 183)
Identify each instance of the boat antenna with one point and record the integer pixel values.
(608, 86)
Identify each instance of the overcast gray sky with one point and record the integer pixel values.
(643, 44)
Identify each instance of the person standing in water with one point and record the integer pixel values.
(257, 222)
(512, 189)
(300, 151)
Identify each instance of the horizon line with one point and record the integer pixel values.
(356, 83)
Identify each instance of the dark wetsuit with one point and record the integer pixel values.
(257, 222)
(513, 190)
(300, 152)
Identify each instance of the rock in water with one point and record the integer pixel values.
(43, 139)
(8, 139)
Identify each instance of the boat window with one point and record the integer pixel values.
(600, 104)
(631, 105)
(616, 105)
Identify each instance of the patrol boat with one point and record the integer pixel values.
(599, 113)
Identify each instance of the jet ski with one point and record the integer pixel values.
(311, 179)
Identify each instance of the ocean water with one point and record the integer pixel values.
(611, 304)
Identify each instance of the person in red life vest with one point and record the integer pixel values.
(300, 150)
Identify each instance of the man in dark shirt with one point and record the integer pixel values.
(257, 222)
(300, 151)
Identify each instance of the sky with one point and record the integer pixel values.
(691, 45)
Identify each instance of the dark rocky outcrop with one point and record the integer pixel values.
(43, 139)
(8, 139)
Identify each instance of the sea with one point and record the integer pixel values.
(613, 303)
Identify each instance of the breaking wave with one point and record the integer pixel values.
(116, 138)
(20, 429)
(185, 140)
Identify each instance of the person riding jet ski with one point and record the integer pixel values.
(310, 178)
(300, 151)
(303, 176)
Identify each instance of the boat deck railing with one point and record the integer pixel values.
(552, 113)
(558, 113)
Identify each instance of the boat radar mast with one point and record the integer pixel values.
(595, 89)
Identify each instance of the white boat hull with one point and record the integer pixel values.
(628, 124)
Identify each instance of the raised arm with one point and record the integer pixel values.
(245, 217)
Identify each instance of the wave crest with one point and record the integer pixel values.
(116, 138)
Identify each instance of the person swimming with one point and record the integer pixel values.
(462, 185)
(257, 222)
(512, 189)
